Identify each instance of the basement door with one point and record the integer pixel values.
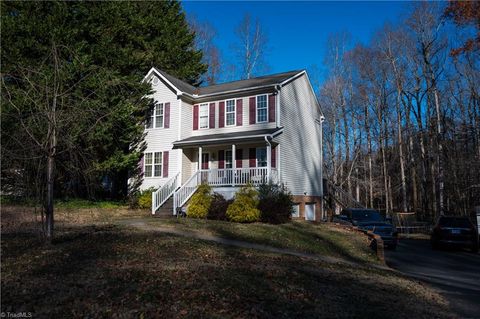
(309, 211)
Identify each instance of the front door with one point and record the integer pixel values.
(205, 160)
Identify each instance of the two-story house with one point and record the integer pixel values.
(230, 134)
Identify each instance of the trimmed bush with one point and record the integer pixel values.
(218, 208)
(275, 203)
(141, 199)
(244, 207)
(200, 202)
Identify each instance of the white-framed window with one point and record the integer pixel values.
(155, 118)
(296, 210)
(262, 108)
(230, 110)
(159, 115)
(261, 157)
(203, 116)
(228, 159)
(152, 164)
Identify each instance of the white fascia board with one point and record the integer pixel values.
(231, 138)
(313, 92)
(153, 70)
(293, 77)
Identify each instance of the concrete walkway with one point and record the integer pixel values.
(140, 224)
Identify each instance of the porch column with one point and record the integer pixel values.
(234, 164)
(200, 158)
(269, 161)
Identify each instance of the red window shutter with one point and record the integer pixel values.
(140, 165)
(238, 158)
(274, 157)
(165, 164)
(195, 117)
(252, 109)
(271, 108)
(212, 115)
(221, 159)
(252, 158)
(167, 115)
(221, 115)
(239, 112)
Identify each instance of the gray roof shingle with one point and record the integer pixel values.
(266, 80)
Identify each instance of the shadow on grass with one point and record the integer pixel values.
(301, 236)
(112, 271)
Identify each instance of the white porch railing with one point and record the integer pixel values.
(237, 176)
(161, 195)
(181, 196)
(222, 177)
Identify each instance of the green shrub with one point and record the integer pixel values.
(218, 208)
(244, 207)
(200, 202)
(275, 203)
(141, 199)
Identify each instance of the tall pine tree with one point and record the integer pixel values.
(73, 104)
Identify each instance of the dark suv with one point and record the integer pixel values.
(370, 219)
(454, 231)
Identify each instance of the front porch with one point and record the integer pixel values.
(223, 162)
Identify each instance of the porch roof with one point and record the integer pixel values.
(236, 137)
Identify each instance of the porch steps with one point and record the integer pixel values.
(165, 211)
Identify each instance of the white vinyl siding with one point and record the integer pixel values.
(160, 140)
(299, 155)
(262, 108)
(230, 112)
(203, 116)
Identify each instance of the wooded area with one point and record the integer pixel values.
(403, 113)
(73, 104)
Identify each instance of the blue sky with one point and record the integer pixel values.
(297, 31)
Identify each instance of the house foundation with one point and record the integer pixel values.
(309, 208)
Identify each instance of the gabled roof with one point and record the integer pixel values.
(262, 81)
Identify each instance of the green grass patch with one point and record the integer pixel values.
(83, 203)
(322, 239)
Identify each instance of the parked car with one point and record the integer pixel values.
(454, 231)
(370, 219)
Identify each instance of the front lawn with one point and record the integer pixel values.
(112, 271)
(321, 239)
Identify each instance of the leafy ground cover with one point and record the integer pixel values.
(95, 268)
(322, 239)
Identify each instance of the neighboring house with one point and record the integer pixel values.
(227, 135)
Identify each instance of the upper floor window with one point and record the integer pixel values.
(230, 112)
(203, 115)
(262, 109)
(156, 117)
(261, 157)
(153, 164)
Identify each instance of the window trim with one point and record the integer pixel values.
(153, 164)
(256, 108)
(162, 115)
(225, 159)
(234, 113)
(296, 210)
(256, 157)
(153, 117)
(207, 105)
